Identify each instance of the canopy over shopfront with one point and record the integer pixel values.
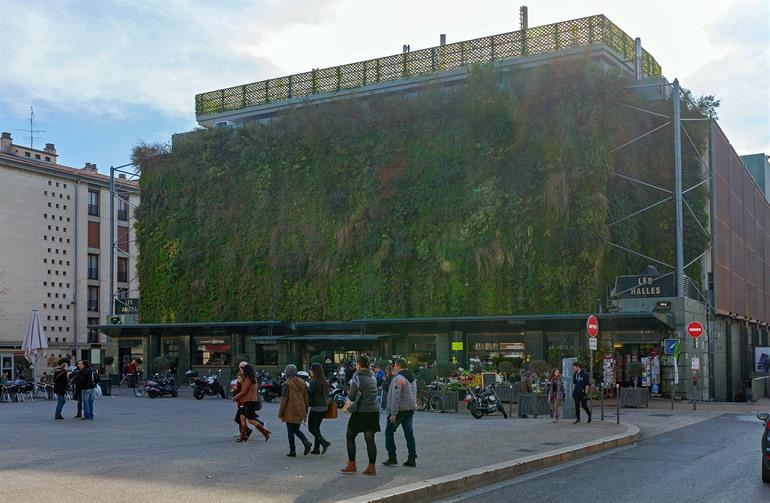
(463, 339)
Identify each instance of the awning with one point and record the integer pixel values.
(324, 338)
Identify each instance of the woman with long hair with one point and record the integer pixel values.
(293, 409)
(556, 394)
(319, 404)
(365, 418)
(247, 400)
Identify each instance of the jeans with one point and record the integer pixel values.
(293, 430)
(404, 418)
(60, 399)
(88, 403)
(556, 408)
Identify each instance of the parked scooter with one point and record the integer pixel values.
(765, 418)
(159, 386)
(268, 388)
(484, 402)
(209, 385)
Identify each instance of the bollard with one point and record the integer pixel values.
(601, 389)
(672, 394)
(510, 400)
(617, 401)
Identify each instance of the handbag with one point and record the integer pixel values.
(331, 412)
(351, 406)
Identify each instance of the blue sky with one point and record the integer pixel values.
(105, 75)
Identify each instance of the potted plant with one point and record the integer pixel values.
(635, 371)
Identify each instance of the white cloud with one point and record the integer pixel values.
(102, 58)
(109, 58)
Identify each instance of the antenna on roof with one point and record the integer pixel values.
(31, 129)
(523, 18)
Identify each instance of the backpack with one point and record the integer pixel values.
(93, 378)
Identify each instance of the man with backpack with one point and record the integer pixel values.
(87, 379)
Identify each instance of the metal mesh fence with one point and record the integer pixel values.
(582, 32)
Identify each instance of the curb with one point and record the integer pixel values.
(441, 487)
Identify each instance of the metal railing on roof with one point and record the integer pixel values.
(583, 32)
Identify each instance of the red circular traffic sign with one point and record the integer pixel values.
(695, 329)
(592, 325)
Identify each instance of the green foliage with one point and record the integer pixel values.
(445, 370)
(554, 356)
(505, 367)
(161, 364)
(539, 367)
(490, 199)
(426, 376)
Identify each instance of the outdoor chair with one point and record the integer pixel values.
(5, 395)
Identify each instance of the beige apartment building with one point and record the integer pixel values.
(55, 250)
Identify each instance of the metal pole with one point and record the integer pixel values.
(638, 58)
(677, 124)
(601, 389)
(672, 394)
(112, 241)
(510, 400)
(590, 380)
(617, 403)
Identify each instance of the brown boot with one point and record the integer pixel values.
(370, 470)
(244, 434)
(264, 431)
(350, 467)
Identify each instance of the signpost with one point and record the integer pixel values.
(592, 327)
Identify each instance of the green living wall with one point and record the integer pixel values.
(490, 198)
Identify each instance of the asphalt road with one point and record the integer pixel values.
(712, 461)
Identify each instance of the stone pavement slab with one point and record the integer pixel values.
(173, 449)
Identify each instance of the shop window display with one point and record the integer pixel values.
(213, 351)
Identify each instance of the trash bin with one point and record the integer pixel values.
(106, 385)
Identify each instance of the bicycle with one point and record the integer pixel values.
(423, 398)
(139, 387)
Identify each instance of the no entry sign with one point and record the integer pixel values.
(695, 329)
(592, 325)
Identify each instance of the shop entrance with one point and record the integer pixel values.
(620, 366)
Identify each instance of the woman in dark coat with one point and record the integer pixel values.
(319, 404)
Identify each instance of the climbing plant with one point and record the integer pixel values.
(490, 198)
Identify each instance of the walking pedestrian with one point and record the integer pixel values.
(319, 403)
(293, 409)
(364, 415)
(386, 380)
(60, 383)
(556, 394)
(402, 402)
(247, 399)
(580, 387)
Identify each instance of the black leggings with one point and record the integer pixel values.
(314, 426)
(371, 447)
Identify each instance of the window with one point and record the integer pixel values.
(123, 209)
(123, 238)
(93, 334)
(208, 350)
(93, 266)
(93, 234)
(123, 269)
(37, 156)
(47, 158)
(267, 354)
(93, 202)
(93, 298)
(26, 153)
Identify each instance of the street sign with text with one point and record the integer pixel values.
(592, 325)
(592, 345)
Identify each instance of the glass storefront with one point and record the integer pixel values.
(488, 350)
(266, 354)
(6, 366)
(213, 351)
(169, 347)
(423, 350)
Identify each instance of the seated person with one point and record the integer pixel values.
(19, 381)
(4, 379)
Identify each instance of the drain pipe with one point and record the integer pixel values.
(74, 302)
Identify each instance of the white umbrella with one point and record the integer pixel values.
(35, 342)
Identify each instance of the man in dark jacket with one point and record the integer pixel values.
(87, 382)
(60, 383)
(581, 385)
(402, 402)
(77, 391)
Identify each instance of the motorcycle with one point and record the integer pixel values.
(268, 388)
(338, 394)
(159, 386)
(483, 402)
(205, 386)
(765, 418)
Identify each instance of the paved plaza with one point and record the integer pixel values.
(181, 449)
